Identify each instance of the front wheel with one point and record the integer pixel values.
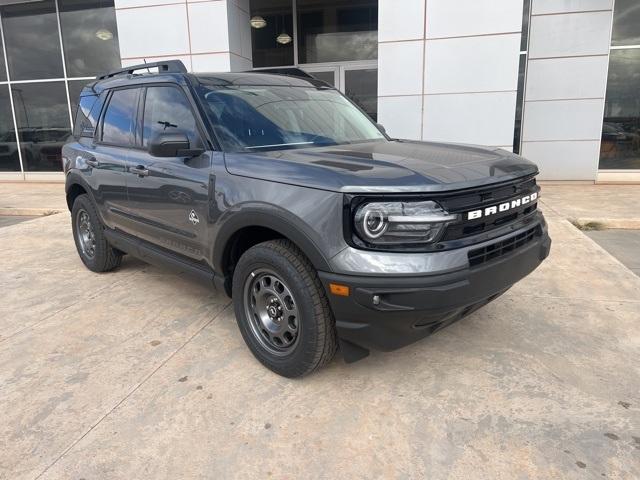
(282, 309)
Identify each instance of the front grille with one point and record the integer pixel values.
(484, 197)
(498, 249)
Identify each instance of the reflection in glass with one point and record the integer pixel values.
(9, 159)
(261, 118)
(361, 86)
(118, 119)
(32, 42)
(75, 87)
(267, 51)
(524, 41)
(166, 109)
(90, 36)
(620, 146)
(337, 30)
(626, 23)
(517, 130)
(3, 68)
(43, 123)
(326, 76)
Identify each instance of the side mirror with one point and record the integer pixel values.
(381, 128)
(172, 145)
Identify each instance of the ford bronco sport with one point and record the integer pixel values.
(288, 198)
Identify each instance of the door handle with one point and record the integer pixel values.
(139, 170)
(92, 162)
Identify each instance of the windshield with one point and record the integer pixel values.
(260, 118)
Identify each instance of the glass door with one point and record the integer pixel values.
(357, 80)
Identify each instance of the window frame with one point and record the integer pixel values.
(195, 112)
(98, 138)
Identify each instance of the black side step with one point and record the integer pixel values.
(158, 256)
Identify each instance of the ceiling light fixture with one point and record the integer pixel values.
(104, 34)
(283, 38)
(258, 22)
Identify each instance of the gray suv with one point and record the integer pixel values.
(283, 194)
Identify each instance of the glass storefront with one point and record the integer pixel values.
(52, 49)
(522, 73)
(620, 144)
(334, 40)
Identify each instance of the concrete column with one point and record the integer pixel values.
(208, 36)
(565, 88)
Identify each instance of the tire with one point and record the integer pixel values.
(278, 269)
(93, 248)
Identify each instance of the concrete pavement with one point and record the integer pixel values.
(141, 373)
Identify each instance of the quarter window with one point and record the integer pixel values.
(166, 109)
(119, 118)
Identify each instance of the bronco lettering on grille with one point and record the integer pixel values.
(502, 207)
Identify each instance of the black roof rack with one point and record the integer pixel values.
(168, 66)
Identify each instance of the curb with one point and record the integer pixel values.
(606, 223)
(28, 212)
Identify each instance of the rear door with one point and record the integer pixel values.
(168, 197)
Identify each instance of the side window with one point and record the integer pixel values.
(87, 115)
(119, 118)
(166, 109)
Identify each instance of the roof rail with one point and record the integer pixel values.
(167, 66)
(291, 71)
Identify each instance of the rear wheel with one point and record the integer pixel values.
(282, 310)
(88, 234)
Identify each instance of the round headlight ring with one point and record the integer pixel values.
(374, 223)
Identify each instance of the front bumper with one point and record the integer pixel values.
(412, 307)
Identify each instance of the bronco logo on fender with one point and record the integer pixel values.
(502, 207)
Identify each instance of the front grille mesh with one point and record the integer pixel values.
(498, 249)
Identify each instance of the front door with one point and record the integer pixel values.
(168, 197)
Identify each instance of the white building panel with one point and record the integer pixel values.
(570, 35)
(563, 120)
(481, 118)
(400, 68)
(400, 22)
(564, 160)
(448, 18)
(401, 116)
(145, 32)
(543, 7)
(472, 64)
(567, 78)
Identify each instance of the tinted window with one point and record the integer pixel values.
(361, 86)
(32, 41)
(9, 159)
(90, 36)
(119, 117)
(337, 30)
(620, 145)
(166, 109)
(626, 23)
(87, 115)
(43, 123)
(271, 20)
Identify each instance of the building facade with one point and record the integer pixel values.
(557, 81)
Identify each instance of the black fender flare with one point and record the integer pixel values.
(75, 178)
(266, 218)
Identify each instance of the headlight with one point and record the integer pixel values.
(388, 223)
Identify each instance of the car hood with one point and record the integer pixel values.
(384, 167)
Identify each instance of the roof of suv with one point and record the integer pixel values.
(175, 72)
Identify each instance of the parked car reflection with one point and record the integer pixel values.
(42, 147)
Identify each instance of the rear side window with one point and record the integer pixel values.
(166, 109)
(119, 118)
(87, 115)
